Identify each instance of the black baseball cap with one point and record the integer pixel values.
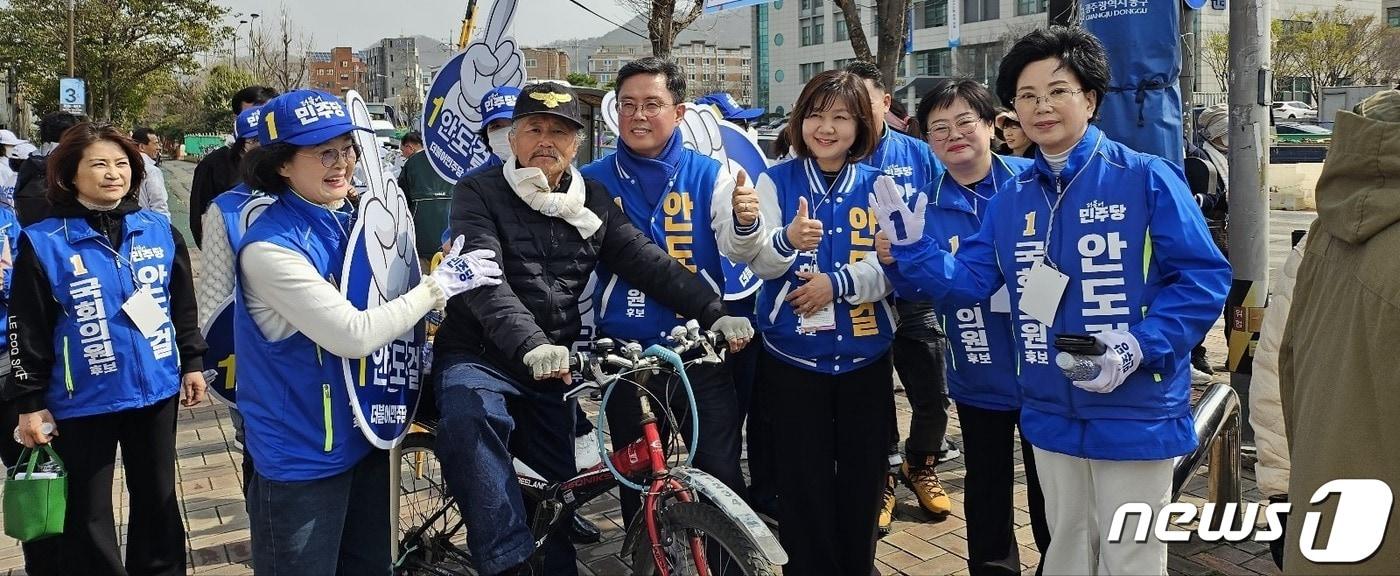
(548, 98)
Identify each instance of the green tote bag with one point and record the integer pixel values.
(35, 502)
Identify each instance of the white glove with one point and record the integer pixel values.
(737, 330)
(548, 361)
(903, 225)
(1122, 358)
(458, 273)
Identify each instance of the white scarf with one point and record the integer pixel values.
(1222, 164)
(531, 186)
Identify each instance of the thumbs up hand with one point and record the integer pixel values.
(804, 232)
(745, 201)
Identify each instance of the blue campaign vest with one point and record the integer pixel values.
(863, 332)
(103, 363)
(679, 223)
(9, 228)
(299, 424)
(906, 159)
(981, 353)
(230, 205)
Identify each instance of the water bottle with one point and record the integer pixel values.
(46, 428)
(1076, 367)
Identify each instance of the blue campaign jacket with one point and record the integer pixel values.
(863, 332)
(1138, 256)
(981, 353)
(104, 361)
(906, 159)
(299, 421)
(230, 206)
(679, 223)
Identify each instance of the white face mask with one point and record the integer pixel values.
(499, 139)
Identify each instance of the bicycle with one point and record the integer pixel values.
(676, 532)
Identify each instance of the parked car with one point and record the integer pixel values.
(1296, 132)
(1294, 110)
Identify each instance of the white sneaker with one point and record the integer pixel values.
(586, 454)
(1199, 377)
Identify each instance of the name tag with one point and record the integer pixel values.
(145, 312)
(1045, 287)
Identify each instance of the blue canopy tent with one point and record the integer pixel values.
(1143, 106)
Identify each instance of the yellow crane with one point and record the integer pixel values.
(468, 22)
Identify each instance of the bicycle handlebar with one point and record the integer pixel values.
(608, 359)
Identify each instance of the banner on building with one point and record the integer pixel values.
(712, 6)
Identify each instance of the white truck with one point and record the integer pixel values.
(1336, 98)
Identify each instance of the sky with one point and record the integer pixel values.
(360, 23)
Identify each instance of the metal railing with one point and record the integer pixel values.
(1217, 417)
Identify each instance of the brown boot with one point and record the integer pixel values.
(924, 482)
(887, 507)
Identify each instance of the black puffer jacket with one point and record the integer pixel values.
(547, 262)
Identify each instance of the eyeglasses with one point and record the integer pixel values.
(649, 109)
(1056, 97)
(966, 124)
(330, 156)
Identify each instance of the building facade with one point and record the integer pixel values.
(796, 39)
(393, 68)
(546, 64)
(711, 68)
(607, 60)
(338, 71)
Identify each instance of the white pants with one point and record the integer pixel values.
(1081, 496)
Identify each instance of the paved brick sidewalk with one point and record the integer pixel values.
(212, 501)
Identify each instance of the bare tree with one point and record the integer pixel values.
(1330, 48)
(665, 20)
(281, 53)
(1216, 53)
(890, 32)
(410, 102)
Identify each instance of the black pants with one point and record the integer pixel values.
(831, 468)
(155, 533)
(920, 364)
(758, 427)
(991, 479)
(719, 424)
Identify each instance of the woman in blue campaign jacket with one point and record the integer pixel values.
(958, 116)
(103, 339)
(317, 496)
(1093, 239)
(827, 328)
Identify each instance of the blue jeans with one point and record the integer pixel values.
(336, 525)
(485, 418)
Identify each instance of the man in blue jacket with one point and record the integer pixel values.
(680, 199)
(1097, 239)
(918, 340)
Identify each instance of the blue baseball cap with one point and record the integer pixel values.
(246, 127)
(729, 109)
(498, 104)
(304, 118)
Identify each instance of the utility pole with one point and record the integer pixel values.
(72, 17)
(1251, 84)
(1190, 63)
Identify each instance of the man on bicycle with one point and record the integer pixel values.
(681, 200)
(502, 361)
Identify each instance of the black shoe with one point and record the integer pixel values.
(581, 531)
(1202, 364)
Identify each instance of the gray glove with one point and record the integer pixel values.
(548, 361)
(458, 273)
(738, 331)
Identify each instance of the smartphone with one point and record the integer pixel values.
(1081, 344)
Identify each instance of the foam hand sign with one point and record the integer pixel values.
(380, 265)
(452, 117)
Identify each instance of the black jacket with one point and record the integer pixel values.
(31, 186)
(546, 264)
(214, 175)
(34, 311)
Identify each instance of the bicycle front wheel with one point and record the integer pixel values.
(727, 549)
(432, 532)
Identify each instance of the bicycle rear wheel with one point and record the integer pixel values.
(722, 538)
(432, 532)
